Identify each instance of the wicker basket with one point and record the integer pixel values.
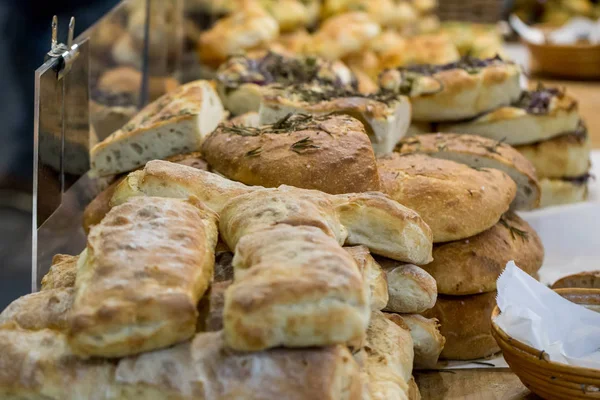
(483, 11)
(577, 61)
(551, 380)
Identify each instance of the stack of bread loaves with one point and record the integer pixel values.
(545, 126)
(463, 187)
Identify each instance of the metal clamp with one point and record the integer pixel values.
(65, 53)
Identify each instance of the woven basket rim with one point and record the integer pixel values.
(521, 350)
(566, 47)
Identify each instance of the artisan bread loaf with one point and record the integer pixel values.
(46, 309)
(467, 88)
(539, 115)
(294, 286)
(589, 280)
(411, 289)
(473, 265)
(427, 339)
(40, 366)
(146, 266)
(330, 153)
(166, 179)
(373, 275)
(557, 192)
(566, 155)
(465, 322)
(455, 200)
(176, 123)
(389, 358)
(479, 152)
(62, 273)
(385, 117)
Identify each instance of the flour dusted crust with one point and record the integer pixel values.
(465, 322)
(389, 360)
(588, 279)
(175, 123)
(387, 13)
(480, 152)
(473, 265)
(565, 155)
(518, 125)
(62, 273)
(386, 118)
(411, 288)
(40, 365)
(342, 35)
(331, 153)
(373, 275)
(557, 192)
(294, 287)
(468, 88)
(455, 200)
(427, 339)
(420, 49)
(144, 270)
(46, 309)
(166, 179)
(248, 27)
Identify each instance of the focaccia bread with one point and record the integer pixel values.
(249, 26)
(40, 366)
(62, 273)
(373, 275)
(100, 205)
(538, 115)
(427, 339)
(370, 219)
(387, 13)
(342, 35)
(561, 191)
(46, 309)
(465, 322)
(294, 287)
(411, 288)
(479, 152)
(146, 266)
(389, 359)
(386, 117)
(427, 48)
(166, 179)
(566, 155)
(330, 153)
(242, 78)
(588, 279)
(176, 123)
(466, 88)
(455, 200)
(473, 265)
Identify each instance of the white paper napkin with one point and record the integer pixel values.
(536, 315)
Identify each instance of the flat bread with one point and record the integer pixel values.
(446, 193)
(557, 192)
(132, 293)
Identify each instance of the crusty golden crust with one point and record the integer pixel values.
(41, 310)
(588, 279)
(332, 154)
(456, 201)
(473, 265)
(562, 156)
(373, 276)
(478, 152)
(295, 287)
(62, 273)
(145, 267)
(465, 322)
(427, 339)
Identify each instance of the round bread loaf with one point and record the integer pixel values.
(539, 115)
(455, 200)
(467, 88)
(563, 156)
(330, 153)
(471, 266)
(465, 322)
(564, 191)
(480, 152)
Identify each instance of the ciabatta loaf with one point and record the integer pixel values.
(427, 339)
(62, 273)
(373, 275)
(176, 123)
(146, 266)
(46, 309)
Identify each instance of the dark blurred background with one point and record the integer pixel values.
(24, 40)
